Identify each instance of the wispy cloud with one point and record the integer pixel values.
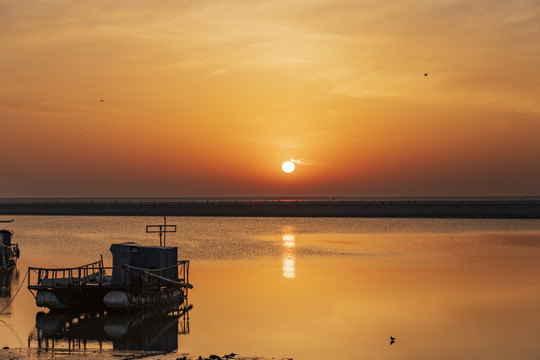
(305, 162)
(219, 72)
(474, 50)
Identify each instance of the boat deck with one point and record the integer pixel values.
(95, 274)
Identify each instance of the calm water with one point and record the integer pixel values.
(311, 288)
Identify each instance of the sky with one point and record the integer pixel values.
(175, 98)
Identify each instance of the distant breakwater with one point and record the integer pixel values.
(503, 209)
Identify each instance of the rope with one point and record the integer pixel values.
(13, 298)
(13, 331)
(156, 270)
(147, 272)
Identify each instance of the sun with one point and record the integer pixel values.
(287, 166)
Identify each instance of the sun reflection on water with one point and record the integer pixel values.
(289, 252)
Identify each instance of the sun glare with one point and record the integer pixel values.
(288, 167)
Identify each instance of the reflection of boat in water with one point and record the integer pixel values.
(8, 279)
(9, 252)
(149, 329)
(141, 277)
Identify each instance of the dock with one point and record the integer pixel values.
(503, 208)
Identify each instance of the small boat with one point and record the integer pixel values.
(141, 277)
(9, 251)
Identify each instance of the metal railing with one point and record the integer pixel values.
(8, 255)
(58, 277)
(201, 201)
(95, 273)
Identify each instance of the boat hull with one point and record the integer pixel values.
(104, 298)
(72, 298)
(121, 300)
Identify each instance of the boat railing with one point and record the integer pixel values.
(55, 277)
(11, 250)
(96, 273)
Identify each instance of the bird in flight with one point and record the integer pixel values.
(392, 340)
(425, 74)
(101, 100)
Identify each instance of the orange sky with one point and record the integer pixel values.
(208, 98)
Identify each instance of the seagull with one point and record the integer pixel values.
(425, 74)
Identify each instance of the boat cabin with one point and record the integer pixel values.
(143, 257)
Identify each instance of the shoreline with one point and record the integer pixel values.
(496, 209)
(107, 354)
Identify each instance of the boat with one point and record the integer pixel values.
(140, 277)
(9, 251)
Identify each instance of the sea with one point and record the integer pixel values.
(301, 288)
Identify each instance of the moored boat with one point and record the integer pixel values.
(141, 277)
(9, 251)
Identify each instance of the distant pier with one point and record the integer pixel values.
(424, 208)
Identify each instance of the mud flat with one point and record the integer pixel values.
(510, 209)
(87, 354)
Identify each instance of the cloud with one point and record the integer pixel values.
(220, 72)
(304, 162)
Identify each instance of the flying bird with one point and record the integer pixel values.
(392, 340)
(101, 100)
(425, 74)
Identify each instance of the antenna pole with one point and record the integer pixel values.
(164, 228)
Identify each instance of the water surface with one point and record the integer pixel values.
(317, 288)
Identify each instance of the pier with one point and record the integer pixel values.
(511, 208)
